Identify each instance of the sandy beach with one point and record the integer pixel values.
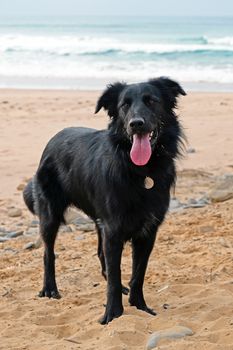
(189, 280)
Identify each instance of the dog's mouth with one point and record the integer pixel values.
(141, 149)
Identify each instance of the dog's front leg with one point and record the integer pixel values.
(142, 248)
(113, 245)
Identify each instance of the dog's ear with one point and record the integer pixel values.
(109, 99)
(170, 88)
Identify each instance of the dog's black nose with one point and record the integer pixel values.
(136, 122)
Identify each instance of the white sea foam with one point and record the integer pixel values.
(79, 45)
(226, 41)
(116, 71)
(98, 56)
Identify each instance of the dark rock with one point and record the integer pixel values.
(14, 234)
(191, 150)
(34, 223)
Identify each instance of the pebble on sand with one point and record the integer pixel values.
(191, 150)
(34, 245)
(171, 333)
(14, 212)
(21, 187)
(15, 234)
(223, 190)
(3, 239)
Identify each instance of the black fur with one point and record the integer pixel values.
(92, 170)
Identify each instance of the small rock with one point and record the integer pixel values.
(21, 187)
(166, 306)
(206, 229)
(29, 245)
(3, 239)
(86, 227)
(34, 245)
(15, 234)
(32, 231)
(223, 190)
(175, 205)
(73, 228)
(20, 224)
(196, 203)
(14, 212)
(191, 150)
(73, 215)
(65, 228)
(3, 234)
(171, 333)
(11, 250)
(224, 243)
(80, 238)
(34, 223)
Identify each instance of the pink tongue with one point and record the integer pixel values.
(141, 150)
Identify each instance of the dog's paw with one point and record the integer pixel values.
(46, 292)
(110, 314)
(141, 305)
(148, 310)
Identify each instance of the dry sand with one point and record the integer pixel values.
(191, 267)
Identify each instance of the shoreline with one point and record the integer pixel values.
(96, 84)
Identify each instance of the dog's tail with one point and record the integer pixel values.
(28, 197)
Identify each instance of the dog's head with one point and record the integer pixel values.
(140, 113)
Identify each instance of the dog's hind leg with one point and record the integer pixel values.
(28, 196)
(100, 253)
(142, 248)
(49, 226)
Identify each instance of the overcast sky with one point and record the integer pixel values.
(117, 7)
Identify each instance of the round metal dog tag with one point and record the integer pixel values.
(149, 183)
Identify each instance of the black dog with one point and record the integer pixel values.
(120, 177)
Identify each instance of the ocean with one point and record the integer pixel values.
(89, 52)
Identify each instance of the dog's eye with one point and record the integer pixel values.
(150, 101)
(126, 104)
